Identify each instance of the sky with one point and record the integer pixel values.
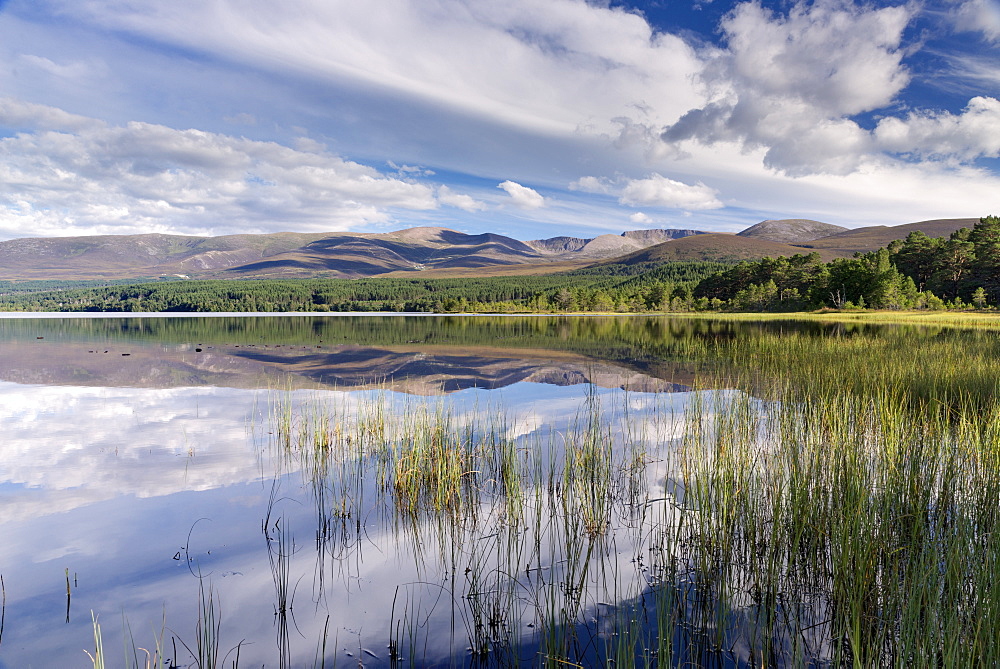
(528, 118)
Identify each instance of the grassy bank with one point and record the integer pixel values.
(958, 319)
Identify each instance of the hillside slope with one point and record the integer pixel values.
(877, 236)
(791, 230)
(120, 256)
(717, 248)
(430, 250)
(290, 255)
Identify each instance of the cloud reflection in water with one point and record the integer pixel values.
(133, 489)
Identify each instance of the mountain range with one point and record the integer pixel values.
(424, 251)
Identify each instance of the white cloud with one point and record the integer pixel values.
(592, 185)
(449, 197)
(540, 92)
(979, 16)
(640, 218)
(979, 70)
(655, 190)
(20, 115)
(522, 196)
(71, 175)
(410, 170)
(72, 71)
(659, 191)
(524, 63)
(790, 83)
(972, 134)
(831, 54)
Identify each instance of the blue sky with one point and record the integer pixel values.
(531, 118)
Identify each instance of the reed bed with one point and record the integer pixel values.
(819, 501)
(826, 525)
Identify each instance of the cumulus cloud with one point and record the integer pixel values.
(655, 190)
(640, 218)
(776, 102)
(972, 134)
(449, 197)
(65, 174)
(979, 16)
(522, 196)
(592, 185)
(790, 83)
(658, 191)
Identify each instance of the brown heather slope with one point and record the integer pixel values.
(351, 256)
(730, 248)
(120, 256)
(791, 230)
(300, 255)
(878, 236)
(426, 251)
(527, 269)
(718, 248)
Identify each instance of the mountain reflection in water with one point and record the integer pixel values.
(424, 358)
(138, 454)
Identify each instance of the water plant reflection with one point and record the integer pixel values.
(837, 506)
(838, 528)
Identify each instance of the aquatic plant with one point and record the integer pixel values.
(825, 498)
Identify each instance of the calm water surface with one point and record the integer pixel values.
(143, 463)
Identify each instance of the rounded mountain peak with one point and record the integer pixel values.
(791, 230)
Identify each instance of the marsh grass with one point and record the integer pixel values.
(206, 646)
(97, 657)
(840, 510)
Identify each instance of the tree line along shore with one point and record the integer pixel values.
(920, 272)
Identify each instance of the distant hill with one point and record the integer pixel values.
(290, 255)
(604, 246)
(791, 230)
(752, 243)
(877, 236)
(352, 255)
(426, 251)
(558, 244)
(717, 248)
(121, 256)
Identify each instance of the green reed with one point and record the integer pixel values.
(861, 516)
(842, 513)
(206, 651)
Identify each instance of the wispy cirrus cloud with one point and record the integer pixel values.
(409, 48)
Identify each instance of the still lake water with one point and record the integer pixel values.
(135, 456)
(149, 466)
